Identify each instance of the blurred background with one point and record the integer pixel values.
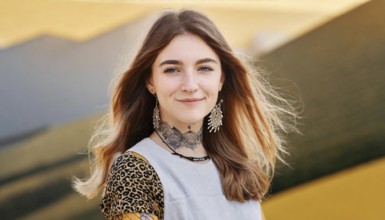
(57, 59)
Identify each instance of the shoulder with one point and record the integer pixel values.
(130, 163)
(132, 186)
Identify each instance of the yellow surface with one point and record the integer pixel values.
(25, 19)
(22, 20)
(356, 193)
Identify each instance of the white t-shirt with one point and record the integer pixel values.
(193, 190)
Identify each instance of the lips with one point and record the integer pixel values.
(190, 100)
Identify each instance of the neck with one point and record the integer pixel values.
(176, 139)
(185, 128)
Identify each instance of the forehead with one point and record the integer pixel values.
(186, 47)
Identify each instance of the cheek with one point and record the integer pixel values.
(212, 92)
(165, 86)
(212, 85)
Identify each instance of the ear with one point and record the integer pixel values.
(150, 86)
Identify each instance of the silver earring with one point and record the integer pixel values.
(156, 115)
(215, 117)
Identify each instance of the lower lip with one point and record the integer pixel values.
(190, 101)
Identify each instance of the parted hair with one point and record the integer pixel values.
(246, 147)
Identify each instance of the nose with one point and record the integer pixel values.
(190, 82)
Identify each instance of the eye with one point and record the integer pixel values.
(205, 69)
(171, 70)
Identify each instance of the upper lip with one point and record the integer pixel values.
(190, 99)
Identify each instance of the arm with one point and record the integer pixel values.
(133, 190)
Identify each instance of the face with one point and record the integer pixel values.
(186, 78)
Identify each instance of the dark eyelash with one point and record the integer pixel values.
(170, 70)
(206, 68)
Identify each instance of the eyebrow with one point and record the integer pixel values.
(178, 62)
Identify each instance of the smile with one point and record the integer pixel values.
(190, 100)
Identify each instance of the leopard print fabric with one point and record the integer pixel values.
(132, 187)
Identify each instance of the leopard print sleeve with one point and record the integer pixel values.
(132, 187)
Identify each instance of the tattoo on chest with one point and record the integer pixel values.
(176, 138)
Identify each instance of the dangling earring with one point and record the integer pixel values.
(156, 115)
(215, 117)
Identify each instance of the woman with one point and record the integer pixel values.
(194, 133)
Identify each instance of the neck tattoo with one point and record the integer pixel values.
(176, 139)
(193, 159)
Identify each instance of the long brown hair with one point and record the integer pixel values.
(244, 149)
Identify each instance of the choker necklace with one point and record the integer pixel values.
(194, 159)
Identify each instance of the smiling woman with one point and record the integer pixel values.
(193, 133)
(186, 84)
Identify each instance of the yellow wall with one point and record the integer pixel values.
(357, 193)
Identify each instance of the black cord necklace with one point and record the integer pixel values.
(194, 159)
